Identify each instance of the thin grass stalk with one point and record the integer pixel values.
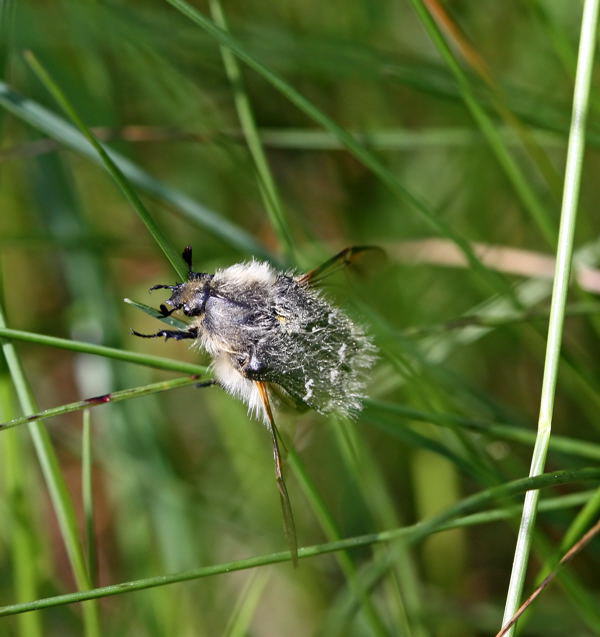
(167, 249)
(449, 519)
(158, 362)
(46, 121)
(267, 186)
(572, 182)
(55, 481)
(488, 128)
(87, 490)
(332, 533)
(353, 145)
(113, 397)
(22, 542)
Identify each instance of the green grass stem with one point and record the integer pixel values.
(158, 362)
(113, 170)
(57, 487)
(572, 182)
(408, 534)
(267, 186)
(349, 142)
(113, 397)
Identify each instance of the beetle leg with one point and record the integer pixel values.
(178, 335)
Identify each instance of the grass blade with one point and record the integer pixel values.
(573, 167)
(409, 534)
(112, 168)
(268, 188)
(57, 487)
(113, 397)
(57, 128)
(158, 362)
(348, 141)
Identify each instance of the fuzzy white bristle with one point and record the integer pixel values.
(246, 273)
(237, 385)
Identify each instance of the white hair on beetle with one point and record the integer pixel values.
(238, 386)
(246, 273)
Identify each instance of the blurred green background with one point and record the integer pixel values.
(468, 145)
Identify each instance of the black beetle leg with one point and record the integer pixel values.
(178, 335)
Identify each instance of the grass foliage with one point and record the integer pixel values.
(287, 131)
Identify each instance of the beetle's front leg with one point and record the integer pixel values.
(178, 335)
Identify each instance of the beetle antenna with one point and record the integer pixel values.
(163, 287)
(187, 257)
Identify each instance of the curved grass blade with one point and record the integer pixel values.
(112, 168)
(95, 401)
(60, 497)
(349, 142)
(157, 362)
(57, 128)
(409, 534)
(267, 186)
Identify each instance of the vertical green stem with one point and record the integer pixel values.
(55, 482)
(112, 168)
(268, 189)
(87, 490)
(22, 542)
(488, 128)
(559, 294)
(332, 533)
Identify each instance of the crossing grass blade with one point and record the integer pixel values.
(57, 487)
(349, 142)
(60, 130)
(267, 185)
(158, 362)
(411, 534)
(573, 170)
(104, 399)
(148, 220)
